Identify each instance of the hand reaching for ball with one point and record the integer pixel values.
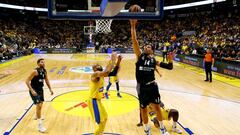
(134, 8)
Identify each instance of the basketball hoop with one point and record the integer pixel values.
(103, 26)
(89, 30)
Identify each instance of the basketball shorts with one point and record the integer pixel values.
(113, 79)
(165, 113)
(148, 94)
(39, 98)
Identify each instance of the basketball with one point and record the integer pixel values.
(135, 8)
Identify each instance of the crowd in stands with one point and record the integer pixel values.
(193, 35)
(189, 34)
(19, 37)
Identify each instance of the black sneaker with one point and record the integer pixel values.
(106, 95)
(139, 124)
(119, 95)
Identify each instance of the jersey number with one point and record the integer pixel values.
(147, 62)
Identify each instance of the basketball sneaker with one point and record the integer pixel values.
(176, 130)
(139, 124)
(41, 128)
(164, 131)
(119, 95)
(148, 131)
(106, 95)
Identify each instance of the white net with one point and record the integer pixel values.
(103, 26)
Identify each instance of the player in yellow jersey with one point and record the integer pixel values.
(95, 105)
(167, 114)
(113, 79)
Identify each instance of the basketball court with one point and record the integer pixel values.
(205, 108)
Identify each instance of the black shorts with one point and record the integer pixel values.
(148, 94)
(39, 98)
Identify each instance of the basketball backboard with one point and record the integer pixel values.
(90, 9)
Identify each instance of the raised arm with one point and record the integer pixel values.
(135, 43)
(116, 68)
(107, 70)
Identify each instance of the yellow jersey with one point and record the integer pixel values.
(165, 113)
(96, 89)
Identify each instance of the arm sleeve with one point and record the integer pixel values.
(166, 65)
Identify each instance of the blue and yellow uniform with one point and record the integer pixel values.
(95, 105)
(113, 79)
(165, 113)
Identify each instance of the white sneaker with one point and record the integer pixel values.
(164, 131)
(41, 128)
(148, 132)
(176, 130)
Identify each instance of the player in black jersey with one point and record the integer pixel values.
(35, 83)
(147, 88)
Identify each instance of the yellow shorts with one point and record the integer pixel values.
(113, 79)
(165, 113)
(97, 110)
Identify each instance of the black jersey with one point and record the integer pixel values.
(38, 81)
(145, 68)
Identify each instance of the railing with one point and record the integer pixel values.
(231, 68)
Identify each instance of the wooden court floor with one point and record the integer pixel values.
(205, 108)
